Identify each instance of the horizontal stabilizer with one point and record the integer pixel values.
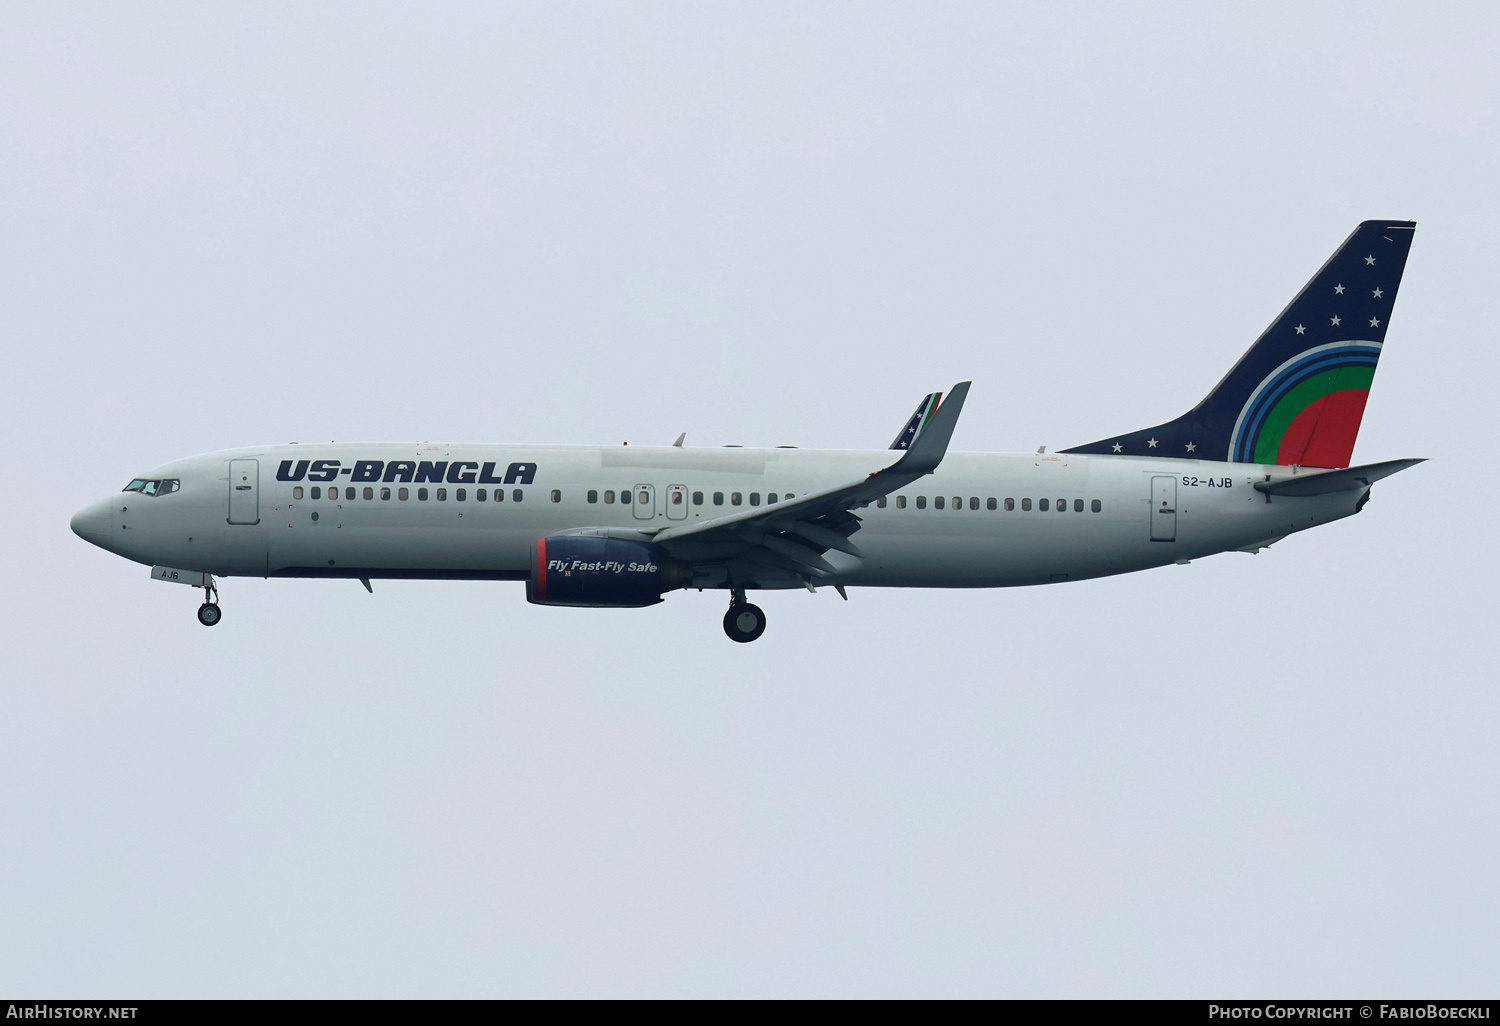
(1347, 480)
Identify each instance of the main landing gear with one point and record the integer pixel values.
(209, 613)
(744, 622)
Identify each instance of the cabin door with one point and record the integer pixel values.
(1164, 509)
(244, 483)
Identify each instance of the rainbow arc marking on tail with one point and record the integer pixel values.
(1308, 411)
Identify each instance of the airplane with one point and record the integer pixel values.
(1266, 454)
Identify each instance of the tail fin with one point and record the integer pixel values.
(1298, 395)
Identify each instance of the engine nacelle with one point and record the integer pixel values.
(602, 572)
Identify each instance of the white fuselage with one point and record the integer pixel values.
(231, 516)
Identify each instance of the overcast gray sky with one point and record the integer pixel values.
(761, 223)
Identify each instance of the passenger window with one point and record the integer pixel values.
(735, 498)
(1077, 505)
(385, 493)
(593, 496)
(556, 495)
(1096, 506)
(677, 498)
(1062, 505)
(609, 497)
(921, 502)
(900, 502)
(460, 494)
(697, 498)
(958, 502)
(369, 493)
(296, 491)
(974, 503)
(770, 498)
(499, 494)
(718, 498)
(880, 502)
(1010, 505)
(403, 494)
(515, 495)
(442, 495)
(481, 494)
(642, 497)
(937, 502)
(1026, 505)
(1041, 504)
(317, 493)
(755, 498)
(421, 494)
(990, 503)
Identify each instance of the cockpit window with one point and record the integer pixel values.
(162, 487)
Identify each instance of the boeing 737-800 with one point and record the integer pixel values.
(1266, 454)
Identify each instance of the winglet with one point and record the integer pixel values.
(925, 410)
(929, 447)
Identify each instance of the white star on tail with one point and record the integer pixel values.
(1377, 293)
(1374, 322)
(1117, 447)
(1191, 446)
(1369, 260)
(1335, 320)
(1338, 290)
(1301, 330)
(1151, 442)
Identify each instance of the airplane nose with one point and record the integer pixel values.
(90, 525)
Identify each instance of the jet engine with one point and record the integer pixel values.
(602, 572)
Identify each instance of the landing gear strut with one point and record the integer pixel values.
(209, 613)
(744, 622)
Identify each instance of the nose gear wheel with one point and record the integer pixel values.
(209, 613)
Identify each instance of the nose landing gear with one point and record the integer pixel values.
(209, 613)
(744, 622)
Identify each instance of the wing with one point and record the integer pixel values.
(791, 537)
